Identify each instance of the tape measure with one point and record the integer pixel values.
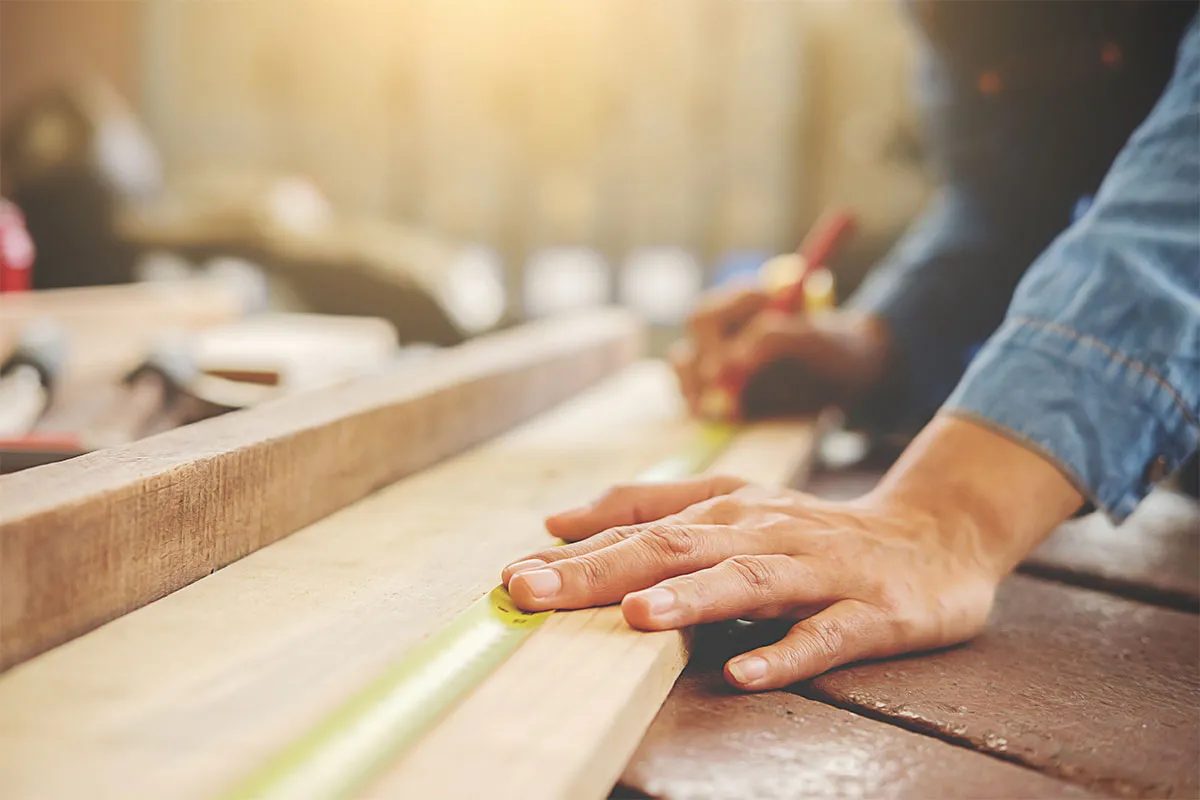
(365, 735)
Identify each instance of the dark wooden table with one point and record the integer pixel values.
(1086, 683)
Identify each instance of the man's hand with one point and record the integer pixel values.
(911, 566)
(800, 363)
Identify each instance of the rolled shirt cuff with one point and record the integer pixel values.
(1110, 424)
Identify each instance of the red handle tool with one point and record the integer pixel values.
(822, 241)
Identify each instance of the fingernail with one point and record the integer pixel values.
(658, 601)
(748, 670)
(522, 566)
(542, 583)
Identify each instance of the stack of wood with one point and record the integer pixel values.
(175, 611)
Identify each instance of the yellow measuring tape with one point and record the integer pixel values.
(352, 745)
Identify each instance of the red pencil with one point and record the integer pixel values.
(830, 230)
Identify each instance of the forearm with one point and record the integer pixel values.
(998, 498)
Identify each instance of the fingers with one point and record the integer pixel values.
(847, 631)
(719, 314)
(769, 338)
(683, 358)
(739, 587)
(646, 557)
(635, 504)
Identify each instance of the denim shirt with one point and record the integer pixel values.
(1096, 361)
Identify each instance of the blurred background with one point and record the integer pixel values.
(511, 159)
(233, 200)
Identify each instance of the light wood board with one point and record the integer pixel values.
(185, 696)
(560, 719)
(84, 541)
(108, 329)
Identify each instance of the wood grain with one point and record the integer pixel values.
(85, 541)
(183, 697)
(561, 717)
(710, 741)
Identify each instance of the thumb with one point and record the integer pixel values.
(636, 504)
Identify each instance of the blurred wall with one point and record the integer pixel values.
(43, 42)
(710, 124)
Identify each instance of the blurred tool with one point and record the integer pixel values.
(28, 375)
(152, 398)
(155, 397)
(188, 377)
(315, 258)
(73, 157)
(16, 250)
(794, 282)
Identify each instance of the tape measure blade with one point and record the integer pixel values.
(344, 752)
(340, 755)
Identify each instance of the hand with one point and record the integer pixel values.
(861, 580)
(798, 363)
(913, 565)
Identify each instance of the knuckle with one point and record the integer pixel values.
(828, 637)
(672, 541)
(623, 532)
(592, 571)
(893, 598)
(753, 572)
(719, 510)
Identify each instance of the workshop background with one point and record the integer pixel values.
(513, 159)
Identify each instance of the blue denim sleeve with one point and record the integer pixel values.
(1097, 364)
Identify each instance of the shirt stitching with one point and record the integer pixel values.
(1120, 358)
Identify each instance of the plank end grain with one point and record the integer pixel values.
(85, 541)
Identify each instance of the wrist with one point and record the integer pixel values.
(985, 494)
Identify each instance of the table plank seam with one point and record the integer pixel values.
(1117, 587)
(933, 731)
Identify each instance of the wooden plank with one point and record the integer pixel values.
(87, 540)
(109, 328)
(712, 742)
(185, 696)
(561, 717)
(1096, 689)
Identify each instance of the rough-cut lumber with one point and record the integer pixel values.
(185, 696)
(87, 540)
(561, 717)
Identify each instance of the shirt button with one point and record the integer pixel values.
(1156, 471)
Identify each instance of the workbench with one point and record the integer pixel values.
(174, 611)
